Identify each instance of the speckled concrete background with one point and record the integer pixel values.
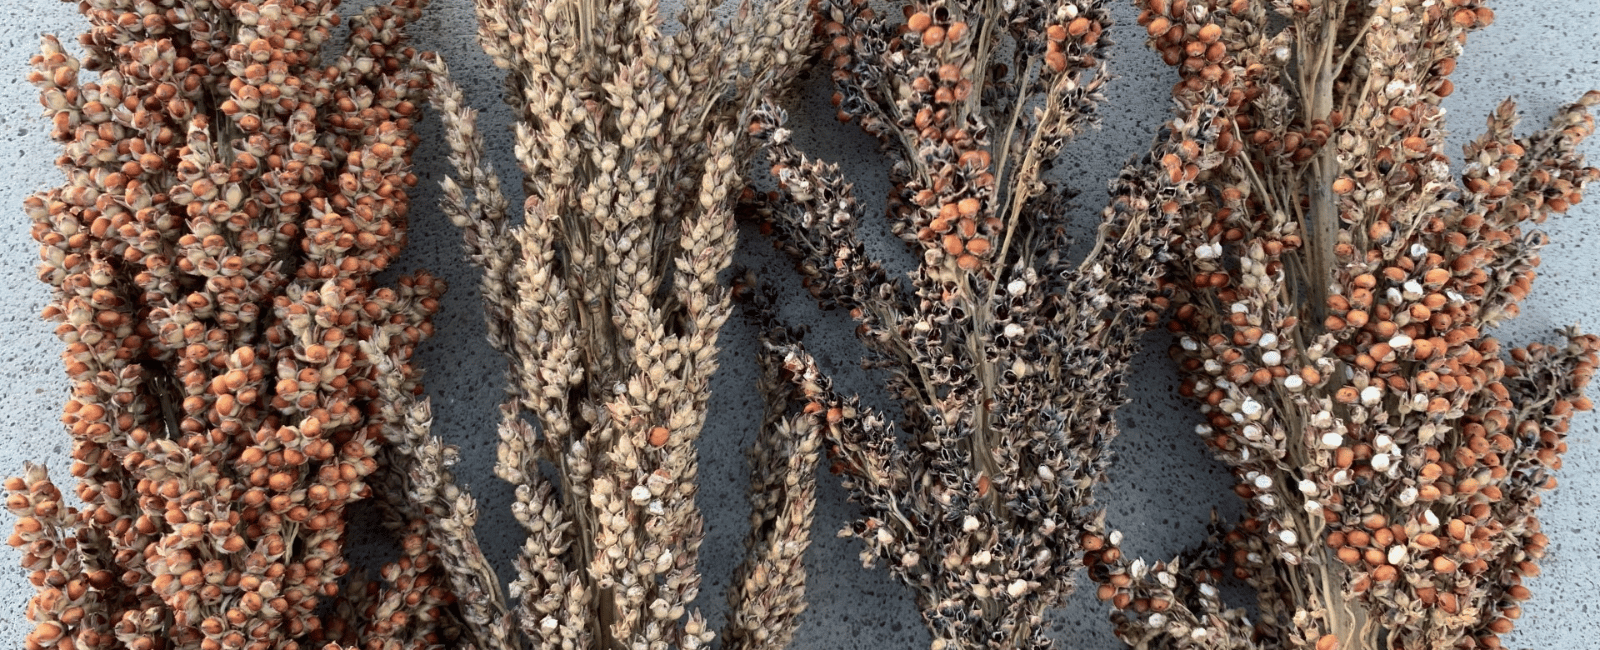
(1544, 52)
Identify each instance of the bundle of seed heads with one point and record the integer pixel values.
(235, 369)
(1333, 294)
(606, 300)
(1006, 357)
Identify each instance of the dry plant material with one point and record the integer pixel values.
(1007, 358)
(1333, 296)
(606, 300)
(770, 593)
(235, 368)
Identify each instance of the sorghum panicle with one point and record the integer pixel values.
(605, 298)
(1333, 295)
(1006, 357)
(235, 368)
(770, 594)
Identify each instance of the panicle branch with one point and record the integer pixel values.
(765, 605)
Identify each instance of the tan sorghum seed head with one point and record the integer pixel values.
(605, 298)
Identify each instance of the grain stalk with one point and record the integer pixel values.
(1332, 295)
(1007, 358)
(237, 372)
(604, 296)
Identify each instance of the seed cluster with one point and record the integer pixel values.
(229, 196)
(764, 606)
(239, 378)
(1007, 358)
(606, 300)
(1332, 303)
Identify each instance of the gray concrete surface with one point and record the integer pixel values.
(1545, 52)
